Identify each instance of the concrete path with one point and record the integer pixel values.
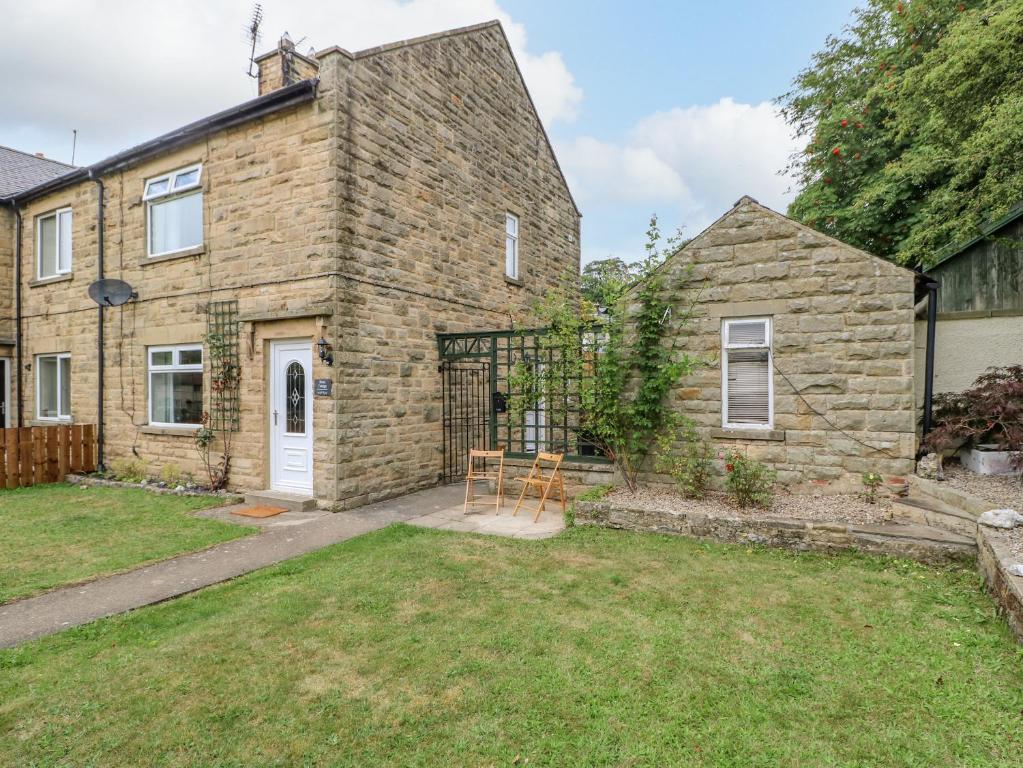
(285, 536)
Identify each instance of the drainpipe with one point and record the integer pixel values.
(18, 359)
(99, 323)
(932, 317)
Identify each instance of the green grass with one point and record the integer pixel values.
(596, 648)
(62, 534)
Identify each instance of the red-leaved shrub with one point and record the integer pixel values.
(989, 412)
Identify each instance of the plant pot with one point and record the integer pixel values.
(988, 460)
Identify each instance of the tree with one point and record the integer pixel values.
(913, 125)
(616, 374)
(604, 281)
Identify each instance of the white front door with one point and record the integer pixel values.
(291, 416)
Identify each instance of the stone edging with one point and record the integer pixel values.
(993, 560)
(784, 532)
(101, 482)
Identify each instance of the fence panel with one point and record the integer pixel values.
(34, 455)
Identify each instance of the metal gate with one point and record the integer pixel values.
(466, 415)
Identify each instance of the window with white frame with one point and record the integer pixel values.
(175, 386)
(747, 398)
(174, 211)
(53, 387)
(511, 246)
(53, 244)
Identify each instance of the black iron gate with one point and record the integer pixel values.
(466, 415)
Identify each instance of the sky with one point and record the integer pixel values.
(653, 106)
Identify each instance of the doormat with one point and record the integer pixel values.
(260, 511)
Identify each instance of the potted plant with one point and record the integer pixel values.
(986, 419)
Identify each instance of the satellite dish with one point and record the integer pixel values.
(111, 293)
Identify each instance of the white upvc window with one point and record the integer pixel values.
(747, 383)
(511, 246)
(53, 244)
(175, 385)
(174, 211)
(53, 387)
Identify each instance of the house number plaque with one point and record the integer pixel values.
(321, 387)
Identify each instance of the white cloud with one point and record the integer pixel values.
(603, 172)
(123, 71)
(697, 159)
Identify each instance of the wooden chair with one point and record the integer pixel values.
(478, 470)
(543, 485)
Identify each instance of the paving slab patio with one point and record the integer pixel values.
(284, 536)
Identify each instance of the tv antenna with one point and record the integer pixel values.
(253, 35)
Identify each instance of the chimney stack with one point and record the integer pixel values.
(284, 66)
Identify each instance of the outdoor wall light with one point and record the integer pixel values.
(325, 354)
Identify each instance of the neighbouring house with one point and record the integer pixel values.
(809, 344)
(19, 171)
(319, 236)
(979, 305)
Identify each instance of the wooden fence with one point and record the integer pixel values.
(34, 455)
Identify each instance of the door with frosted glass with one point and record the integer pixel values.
(291, 412)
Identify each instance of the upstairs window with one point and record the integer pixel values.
(511, 246)
(174, 211)
(53, 244)
(175, 386)
(746, 381)
(53, 387)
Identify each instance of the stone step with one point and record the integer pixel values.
(942, 495)
(293, 502)
(935, 514)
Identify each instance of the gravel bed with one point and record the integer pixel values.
(1013, 540)
(834, 508)
(1002, 490)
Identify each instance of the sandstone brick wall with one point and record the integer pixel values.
(269, 217)
(6, 277)
(843, 335)
(373, 217)
(444, 142)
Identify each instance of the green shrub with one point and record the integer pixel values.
(128, 470)
(871, 482)
(172, 475)
(748, 481)
(596, 493)
(690, 468)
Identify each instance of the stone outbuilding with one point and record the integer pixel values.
(808, 344)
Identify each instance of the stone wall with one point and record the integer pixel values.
(6, 277)
(373, 217)
(270, 242)
(444, 143)
(843, 343)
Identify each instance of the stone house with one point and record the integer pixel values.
(809, 348)
(321, 235)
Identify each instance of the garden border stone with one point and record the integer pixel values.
(920, 543)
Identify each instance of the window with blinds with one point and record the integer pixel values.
(746, 381)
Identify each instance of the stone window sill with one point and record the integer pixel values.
(35, 283)
(199, 250)
(777, 435)
(50, 422)
(514, 281)
(148, 429)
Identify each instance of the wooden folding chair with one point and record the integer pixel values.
(478, 470)
(543, 485)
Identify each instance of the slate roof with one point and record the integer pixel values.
(20, 171)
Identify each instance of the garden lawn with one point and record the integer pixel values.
(420, 647)
(59, 534)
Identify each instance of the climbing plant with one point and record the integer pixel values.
(616, 370)
(224, 381)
